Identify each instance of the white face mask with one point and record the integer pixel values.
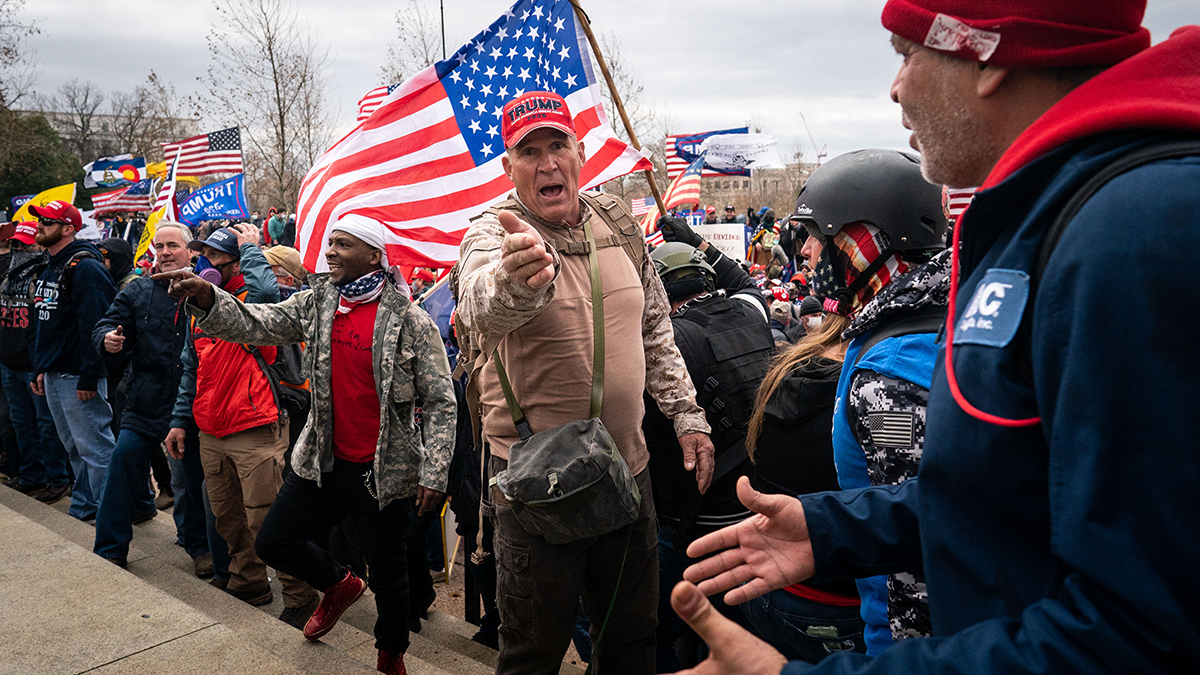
(811, 323)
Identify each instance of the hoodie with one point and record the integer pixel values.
(1069, 546)
(120, 260)
(65, 319)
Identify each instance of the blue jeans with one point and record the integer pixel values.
(803, 629)
(43, 457)
(126, 493)
(83, 427)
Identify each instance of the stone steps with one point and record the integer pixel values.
(159, 570)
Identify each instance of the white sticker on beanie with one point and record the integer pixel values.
(948, 34)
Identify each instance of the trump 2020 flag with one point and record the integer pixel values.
(427, 159)
(223, 199)
(114, 171)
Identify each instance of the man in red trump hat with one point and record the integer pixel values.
(532, 269)
(1055, 514)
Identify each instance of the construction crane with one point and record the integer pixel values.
(821, 153)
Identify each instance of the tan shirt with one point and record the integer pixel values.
(547, 348)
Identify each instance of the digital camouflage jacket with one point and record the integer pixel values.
(409, 361)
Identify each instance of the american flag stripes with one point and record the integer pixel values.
(427, 160)
(685, 189)
(956, 200)
(218, 152)
(640, 207)
(135, 197)
(371, 100)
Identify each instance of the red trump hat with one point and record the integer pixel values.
(534, 110)
(59, 210)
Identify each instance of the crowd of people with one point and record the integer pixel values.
(895, 440)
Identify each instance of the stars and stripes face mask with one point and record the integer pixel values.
(362, 290)
(855, 264)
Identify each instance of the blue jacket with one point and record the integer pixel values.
(65, 322)
(1070, 546)
(155, 327)
(908, 357)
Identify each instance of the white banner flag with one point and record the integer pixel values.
(741, 151)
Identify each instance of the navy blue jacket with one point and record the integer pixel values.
(155, 327)
(64, 323)
(1070, 546)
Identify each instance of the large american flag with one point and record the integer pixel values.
(371, 100)
(685, 189)
(135, 197)
(428, 159)
(218, 152)
(682, 149)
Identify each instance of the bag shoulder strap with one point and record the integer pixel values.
(597, 401)
(929, 319)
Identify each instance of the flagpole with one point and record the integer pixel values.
(612, 89)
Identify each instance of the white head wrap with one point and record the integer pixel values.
(369, 230)
(373, 233)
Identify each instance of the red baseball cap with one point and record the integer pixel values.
(59, 210)
(21, 231)
(534, 110)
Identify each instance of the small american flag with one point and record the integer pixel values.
(428, 159)
(218, 152)
(371, 100)
(685, 189)
(135, 197)
(956, 200)
(640, 207)
(891, 429)
(166, 194)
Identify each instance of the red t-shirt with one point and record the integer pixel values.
(355, 402)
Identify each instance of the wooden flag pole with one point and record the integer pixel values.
(612, 88)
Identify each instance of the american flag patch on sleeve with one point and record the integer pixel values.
(892, 429)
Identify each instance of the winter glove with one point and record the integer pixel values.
(676, 229)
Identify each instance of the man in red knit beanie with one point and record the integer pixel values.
(1055, 514)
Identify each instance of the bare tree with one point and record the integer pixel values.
(418, 43)
(641, 116)
(75, 108)
(269, 76)
(149, 115)
(17, 69)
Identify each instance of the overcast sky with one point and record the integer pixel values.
(706, 64)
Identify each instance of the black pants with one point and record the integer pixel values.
(303, 510)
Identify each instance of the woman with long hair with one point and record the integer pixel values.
(790, 441)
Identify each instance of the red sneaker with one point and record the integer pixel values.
(391, 663)
(336, 600)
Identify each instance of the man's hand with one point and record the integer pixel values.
(676, 229)
(84, 395)
(732, 649)
(428, 500)
(768, 550)
(523, 256)
(174, 443)
(114, 341)
(39, 385)
(246, 234)
(698, 454)
(184, 284)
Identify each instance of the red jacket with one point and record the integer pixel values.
(232, 392)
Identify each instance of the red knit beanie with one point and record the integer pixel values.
(1024, 33)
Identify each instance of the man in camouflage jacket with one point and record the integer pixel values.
(359, 326)
(524, 285)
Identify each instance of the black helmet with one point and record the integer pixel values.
(881, 187)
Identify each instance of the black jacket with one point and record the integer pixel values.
(17, 314)
(66, 316)
(155, 329)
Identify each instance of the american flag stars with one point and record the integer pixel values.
(535, 48)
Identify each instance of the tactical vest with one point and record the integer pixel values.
(728, 348)
(627, 234)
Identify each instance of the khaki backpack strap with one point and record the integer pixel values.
(630, 235)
